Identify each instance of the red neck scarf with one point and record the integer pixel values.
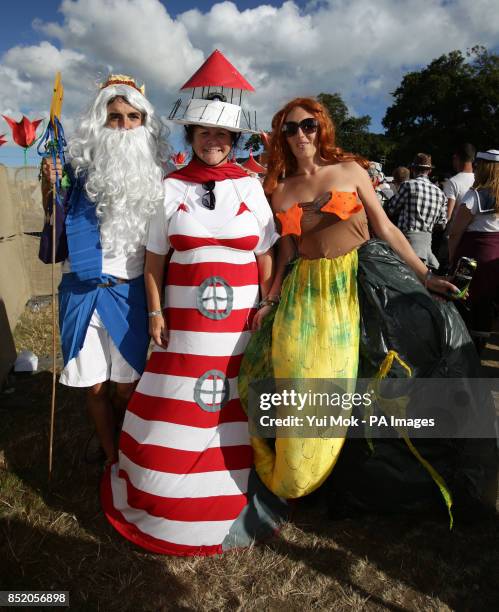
(198, 172)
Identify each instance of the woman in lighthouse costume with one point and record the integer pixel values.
(184, 482)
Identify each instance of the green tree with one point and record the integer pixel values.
(455, 99)
(336, 108)
(254, 142)
(352, 133)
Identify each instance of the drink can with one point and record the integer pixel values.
(463, 275)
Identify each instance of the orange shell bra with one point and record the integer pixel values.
(343, 204)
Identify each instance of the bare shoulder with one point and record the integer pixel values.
(344, 170)
(356, 172)
(342, 176)
(352, 167)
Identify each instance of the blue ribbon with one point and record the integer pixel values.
(54, 146)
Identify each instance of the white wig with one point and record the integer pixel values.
(91, 125)
(124, 169)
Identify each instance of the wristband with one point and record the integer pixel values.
(154, 313)
(269, 301)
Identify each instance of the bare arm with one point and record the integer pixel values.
(285, 254)
(265, 263)
(286, 250)
(153, 278)
(386, 230)
(272, 287)
(48, 179)
(461, 221)
(451, 202)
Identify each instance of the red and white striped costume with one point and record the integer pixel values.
(184, 484)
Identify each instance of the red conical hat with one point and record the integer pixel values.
(253, 166)
(217, 71)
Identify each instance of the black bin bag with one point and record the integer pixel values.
(398, 314)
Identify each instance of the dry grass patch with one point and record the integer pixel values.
(34, 329)
(57, 537)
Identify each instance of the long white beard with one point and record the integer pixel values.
(125, 182)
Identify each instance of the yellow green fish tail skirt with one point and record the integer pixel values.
(314, 333)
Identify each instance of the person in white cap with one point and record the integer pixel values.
(475, 233)
(115, 176)
(185, 483)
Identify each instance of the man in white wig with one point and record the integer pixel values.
(115, 175)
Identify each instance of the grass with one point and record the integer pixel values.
(57, 538)
(34, 329)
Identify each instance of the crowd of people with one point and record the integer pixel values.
(204, 260)
(453, 220)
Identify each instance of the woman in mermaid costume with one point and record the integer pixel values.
(325, 204)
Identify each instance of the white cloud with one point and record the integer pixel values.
(339, 45)
(356, 47)
(134, 35)
(28, 73)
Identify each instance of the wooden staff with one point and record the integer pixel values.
(55, 110)
(54, 343)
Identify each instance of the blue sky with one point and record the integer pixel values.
(358, 48)
(17, 30)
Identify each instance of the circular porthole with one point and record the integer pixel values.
(212, 391)
(215, 298)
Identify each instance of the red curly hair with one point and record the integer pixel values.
(282, 162)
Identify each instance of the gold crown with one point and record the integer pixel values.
(123, 79)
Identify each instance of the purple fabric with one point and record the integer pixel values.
(61, 244)
(484, 289)
(484, 247)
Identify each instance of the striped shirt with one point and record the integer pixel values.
(418, 206)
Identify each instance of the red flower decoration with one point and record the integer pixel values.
(24, 131)
(2, 139)
(179, 159)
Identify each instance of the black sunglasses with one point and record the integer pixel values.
(208, 200)
(307, 126)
